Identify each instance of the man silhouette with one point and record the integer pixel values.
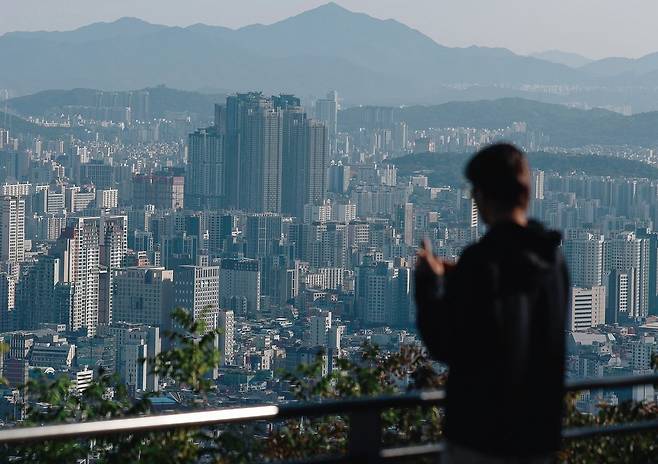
(497, 319)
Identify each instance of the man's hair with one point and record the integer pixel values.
(499, 173)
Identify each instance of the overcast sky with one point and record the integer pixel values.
(595, 28)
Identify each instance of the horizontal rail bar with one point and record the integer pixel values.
(611, 382)
(244, 414)
(137, 424)
(324, 408)
(215, 417)
(412, 451)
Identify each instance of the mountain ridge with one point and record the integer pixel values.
(366, 59)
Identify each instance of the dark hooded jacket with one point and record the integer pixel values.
(498, 321)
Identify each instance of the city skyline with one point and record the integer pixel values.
(560, 26)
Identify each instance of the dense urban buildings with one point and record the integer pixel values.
(292, 228)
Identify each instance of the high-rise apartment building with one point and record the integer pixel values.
(79, 251)
(305, 161)
(584, 257)
(627, 253)
(326, 110)
(12, 229)
(254, 144)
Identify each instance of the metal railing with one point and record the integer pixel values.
(364, 415)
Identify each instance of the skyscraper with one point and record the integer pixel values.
(205, 178)
(305, 157)
(254, 145)
(326, 110)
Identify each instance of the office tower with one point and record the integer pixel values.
(205, 178)
(36, 294)
(143, 295)
(162, 190)
(584, 257)
(12, 229)
(137, 345)
(196, 289)
(630, 254)
(263, 234)
(226, 324)
(326, 111)
(79, 251)
(587, 308)
(254, 145)
(339, 177)
(240, 286)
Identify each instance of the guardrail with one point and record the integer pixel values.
(364, 414)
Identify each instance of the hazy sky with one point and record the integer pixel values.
(596, 28)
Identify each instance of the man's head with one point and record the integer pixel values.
(501, 182)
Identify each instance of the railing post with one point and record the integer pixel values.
(365, 436)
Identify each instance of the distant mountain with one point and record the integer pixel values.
(366, 59)
(573, 60)
(564, 126)
(162, 101)
(448, 168)
(629, 69)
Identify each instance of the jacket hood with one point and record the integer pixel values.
(525, 251)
